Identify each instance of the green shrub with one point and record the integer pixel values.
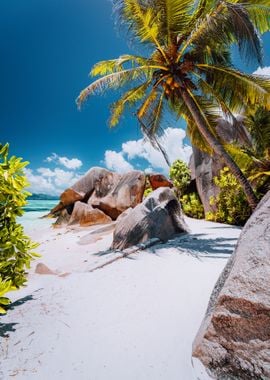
(192, 205)
(16, 249)
(5, 286)
(180, 175)
(147, 191)
(231, 204)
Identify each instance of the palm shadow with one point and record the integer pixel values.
(198, 246)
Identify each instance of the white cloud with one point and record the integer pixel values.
(40, 184)
(46, 172)
(115, 161)
(52, 182)
(172, 141)
(265, 71)
(72, 163)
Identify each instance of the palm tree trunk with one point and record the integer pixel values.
(219, 149)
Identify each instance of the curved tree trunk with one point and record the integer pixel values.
(219, 149)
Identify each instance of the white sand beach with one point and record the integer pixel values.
(133, 319)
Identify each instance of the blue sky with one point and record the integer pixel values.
(47, 50)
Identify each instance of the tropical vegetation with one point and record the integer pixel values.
(16, 249)
(180, 175)
(230, 205)
(187, 68)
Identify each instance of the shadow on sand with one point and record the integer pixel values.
(6, 328)
(199, 246)
(196, 245)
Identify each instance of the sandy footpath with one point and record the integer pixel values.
(134, 319)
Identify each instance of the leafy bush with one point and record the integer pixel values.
(5, 286)
(16, 249)
(180, 175)
(231, 204)
(147, 192)
(192, 205)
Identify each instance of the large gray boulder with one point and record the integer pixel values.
(158, 216)
(205, 167)
(234, 339)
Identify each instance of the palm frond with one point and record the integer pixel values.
(245, 32)
(151, 112)
(146, 105)
(130, 98)
(259, 175)
(242, 158)
(116, 80)
(226, 23)
(113, 65)
(174, 17)
(236, 88)
(211, 53)
(150, 121)
(260, 16)
(141, 20)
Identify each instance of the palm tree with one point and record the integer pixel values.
(188, 68)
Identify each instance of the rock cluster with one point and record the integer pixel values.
(99, 197)
(234, 339)
(102, 196)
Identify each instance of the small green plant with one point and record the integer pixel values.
(230, 204)
(180, 175)
(16, 249)
(147, 192)
(5, 286)
(192, 205)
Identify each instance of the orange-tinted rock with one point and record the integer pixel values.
(68, 197)
(159, 180)
(86, 215)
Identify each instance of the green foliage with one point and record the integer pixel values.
(180, 175)
(231, 204)
(192, 205)
(16, 249)
(147, 192)
(5, 286)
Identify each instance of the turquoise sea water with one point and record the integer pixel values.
(34, 211)
(40, 205)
